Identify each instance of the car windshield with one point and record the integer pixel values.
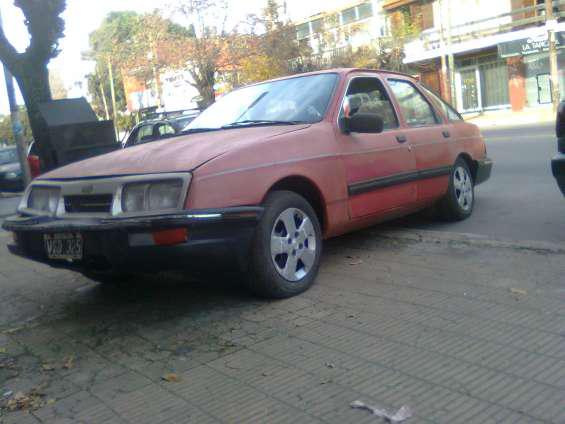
(293, 100)
(8, 156)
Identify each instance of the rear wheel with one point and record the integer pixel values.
(459, 200)
(286, 250)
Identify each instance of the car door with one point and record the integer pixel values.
(429, 136)
(378, 166)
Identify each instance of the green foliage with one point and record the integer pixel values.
(6, 133)
(98, 83)
(274, 52)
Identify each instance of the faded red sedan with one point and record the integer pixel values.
(258, 181)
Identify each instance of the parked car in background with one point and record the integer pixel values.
(158, 129)
(33, 161)
(258, 181)
(558, 162)
(10, 170)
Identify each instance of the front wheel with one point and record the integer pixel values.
(286, 250)
(459, 200)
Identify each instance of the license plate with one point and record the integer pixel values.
(67, 246)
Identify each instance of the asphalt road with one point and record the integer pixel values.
(521, 201)
(8, 205)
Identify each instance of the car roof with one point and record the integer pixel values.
(339, 71)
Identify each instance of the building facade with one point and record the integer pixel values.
(499, 48)
(355, 24)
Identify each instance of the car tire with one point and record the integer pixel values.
(458, 202)
(286, 249)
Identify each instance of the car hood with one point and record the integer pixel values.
(9, 167)
(179, 154)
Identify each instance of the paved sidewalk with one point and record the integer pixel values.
(462, 330)
(509, 118)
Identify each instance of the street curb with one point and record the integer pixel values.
(9, 195)
(473, 240)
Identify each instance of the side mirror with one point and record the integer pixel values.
(363, 123)
(560, 125)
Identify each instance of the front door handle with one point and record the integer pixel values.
(446, 134)
(401, 138)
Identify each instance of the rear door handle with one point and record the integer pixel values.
(446, 134)
(401, 138)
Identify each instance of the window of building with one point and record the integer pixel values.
(427, 11)
(317, 25)
(348, 16)
(365, 10)
(367, 95)
(413, 105)
(303, 31)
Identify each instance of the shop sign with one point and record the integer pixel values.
(531, 45)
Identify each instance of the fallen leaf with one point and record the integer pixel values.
(51, 401)
(48, 367)
(521, 292)
(2, 350)
(171, 378)
(69, 362)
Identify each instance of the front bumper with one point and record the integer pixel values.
(484, 169)
(558, 168)
(216, 238)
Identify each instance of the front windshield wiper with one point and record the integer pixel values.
(198, 130)
(257, 122)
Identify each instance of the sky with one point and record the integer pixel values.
(84, 16)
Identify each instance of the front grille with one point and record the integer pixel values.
(96, 203)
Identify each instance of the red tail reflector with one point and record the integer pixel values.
(170, 237)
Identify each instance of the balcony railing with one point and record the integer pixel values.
(506, 22)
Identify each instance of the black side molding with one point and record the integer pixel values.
(379, 183)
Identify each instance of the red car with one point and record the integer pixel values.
(260, 179)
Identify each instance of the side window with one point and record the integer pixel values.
(414, 106)
(367, 95)
(165, 129)
(145, 133)
(450, 112)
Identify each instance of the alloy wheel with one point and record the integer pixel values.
(463, 185)
(293, 244)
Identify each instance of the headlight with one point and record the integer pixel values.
(161, 195)
(13, 175)
(45, 199)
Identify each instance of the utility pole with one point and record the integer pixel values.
(445, 86)
(550, 23)
(113, 94)
(16, 124)
(450, 59)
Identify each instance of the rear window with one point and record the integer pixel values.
(448, 110)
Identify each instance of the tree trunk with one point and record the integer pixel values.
(34, 86)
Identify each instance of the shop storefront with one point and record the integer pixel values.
(481, 83)
(532, 58)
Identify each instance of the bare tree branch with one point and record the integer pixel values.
(8, 53)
